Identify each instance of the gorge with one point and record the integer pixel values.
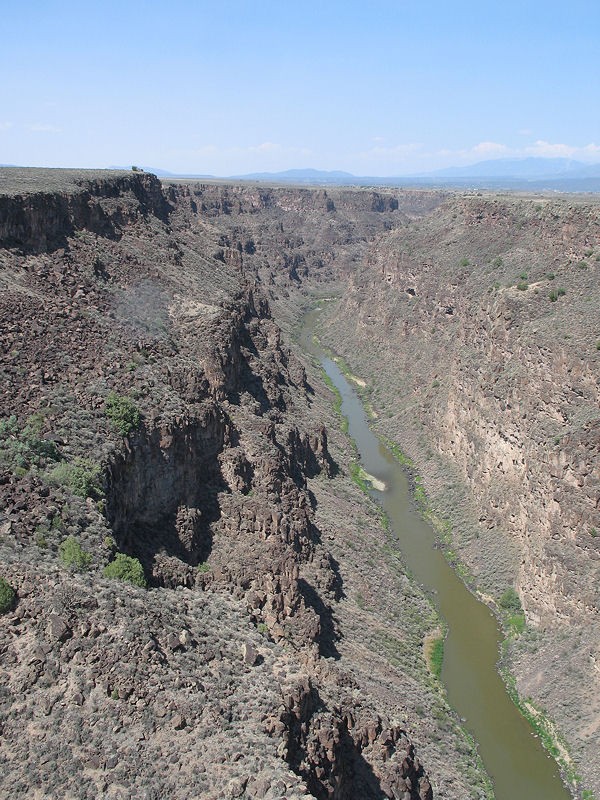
(279, 650)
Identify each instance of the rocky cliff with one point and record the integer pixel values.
(155, 427)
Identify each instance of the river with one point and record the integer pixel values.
(513, 756)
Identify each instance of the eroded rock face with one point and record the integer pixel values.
(336, 752)
(38, 215)
(506, 385)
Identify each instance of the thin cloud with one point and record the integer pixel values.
(545, 149)
(592, 150)
(395, 151)
(539, 149)
(549, 150)
(266, 147)
(38, 127)
(482, 150)
(4, 126)
(488, 149)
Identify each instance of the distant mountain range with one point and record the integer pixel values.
(533, 174)
(521, 169)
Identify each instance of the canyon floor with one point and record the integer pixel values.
(156, 406)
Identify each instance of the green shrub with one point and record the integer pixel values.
(554, 295)
(357, 474)
(126, 568)
(550, 276)
(82, 477)
(337, 402)
(73, 555)
(419, 492)
(522, 286)
(44, 448)
(21, 448)
(7, 596)
(516, 622)
(9, 426)
(122, 412)
(510, 601)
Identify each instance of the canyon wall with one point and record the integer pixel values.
(478, 327)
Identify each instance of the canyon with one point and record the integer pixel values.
(279, 649)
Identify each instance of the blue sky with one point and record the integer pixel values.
(387, 87)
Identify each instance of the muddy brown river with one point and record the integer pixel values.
(513, 756)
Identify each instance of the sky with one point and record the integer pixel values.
(227, 87)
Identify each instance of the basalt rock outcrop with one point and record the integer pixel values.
(44, 207)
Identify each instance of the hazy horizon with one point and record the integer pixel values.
(392, 89)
